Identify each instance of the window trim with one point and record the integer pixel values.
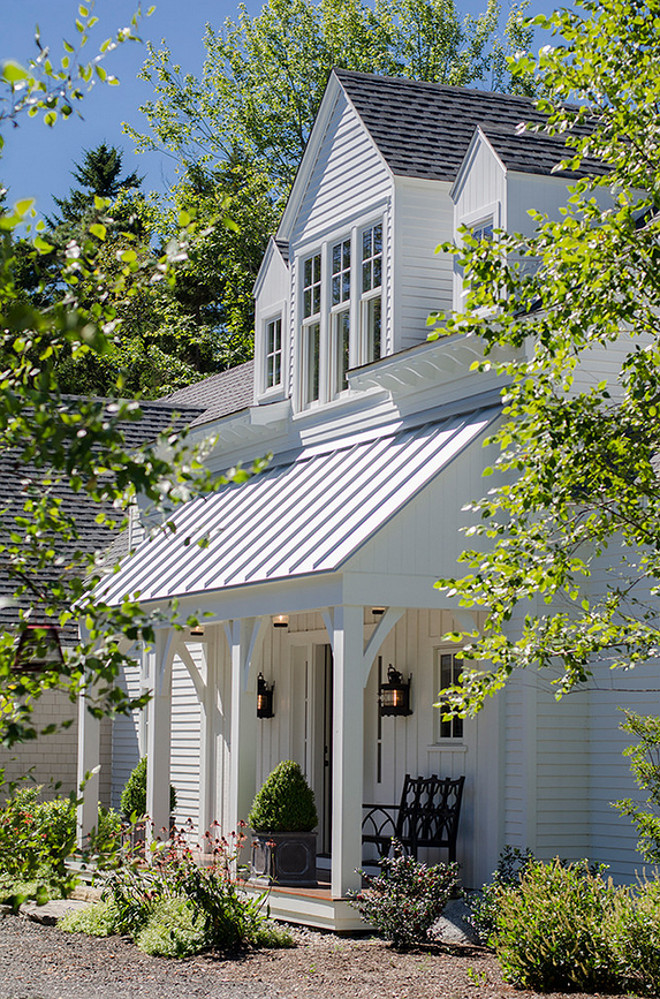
(472, 220)
(365, 298)
(336, 311)
(457, 735)
(273, 312)
(307, 323)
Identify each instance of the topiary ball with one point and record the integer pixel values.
(134, 796)
(285, 802)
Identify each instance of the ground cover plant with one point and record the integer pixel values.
(406, 898)
(175, 907)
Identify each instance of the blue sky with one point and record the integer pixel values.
(37, 160)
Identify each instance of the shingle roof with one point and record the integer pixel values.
(15, 478)
(220, 395)
(530, 152)
(424, 129)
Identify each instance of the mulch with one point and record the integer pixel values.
(42, 962)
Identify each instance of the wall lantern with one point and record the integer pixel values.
(394, 695)
(264, 698)
(197, 631)
(38, 649)
(377, 611)
(281, 621)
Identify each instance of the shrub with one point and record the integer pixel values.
(633, 926)
(551, 930)
(98, 920)
(133, 799)
(285, 802)
(36, 837)
(485, 904)
(405, 900)
(175, 928)
(645, 766)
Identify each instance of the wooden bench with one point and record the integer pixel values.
(427, 816)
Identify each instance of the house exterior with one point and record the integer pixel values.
(319, 572)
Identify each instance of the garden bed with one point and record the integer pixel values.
(41, 961)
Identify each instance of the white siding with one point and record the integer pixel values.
(185, 746)
(349, 179)
(127, 746)
(423, 218)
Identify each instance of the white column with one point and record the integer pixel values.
(89, 762)
(243, 725)
(158, 737)
(348, 748)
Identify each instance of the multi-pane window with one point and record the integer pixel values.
(371, 297)
(480, 231)
(273, 352)
(311, 328)
(340, 320)
(448, 670)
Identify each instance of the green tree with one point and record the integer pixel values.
(58, 445)
(645, 764)
(574, 524)
(99, 175)
(264, 76)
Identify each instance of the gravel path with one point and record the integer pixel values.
(41, 962)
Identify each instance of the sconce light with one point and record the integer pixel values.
(197, 631)
(394, 695)
(377, 611)
(38, 649)
(281, 621)
(264, 698)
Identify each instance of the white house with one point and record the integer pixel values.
(377, 442)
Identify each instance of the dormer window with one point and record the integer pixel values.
(371, 293)
(273, 353)
(340, 314)
(311, 328)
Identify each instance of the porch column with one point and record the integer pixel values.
(348, 748)
(89, 762)
(241, 636)
(159, 715)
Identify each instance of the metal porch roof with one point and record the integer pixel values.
(307, 516)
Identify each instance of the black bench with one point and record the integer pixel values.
(427, 816)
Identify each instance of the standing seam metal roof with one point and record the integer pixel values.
(294, 519)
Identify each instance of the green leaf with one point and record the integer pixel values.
(13, 72)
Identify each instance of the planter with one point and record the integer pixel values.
(284, 858)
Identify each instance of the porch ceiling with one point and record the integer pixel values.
(306, 516)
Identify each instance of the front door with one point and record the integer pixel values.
(311, 731)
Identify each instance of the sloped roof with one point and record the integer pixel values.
(533, 152)
(302, 517)
(15, 479)
(219, 395)
(424, 129)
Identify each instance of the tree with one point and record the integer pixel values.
(99, 173)
(58, 445)
(575, 522)
(264, 76)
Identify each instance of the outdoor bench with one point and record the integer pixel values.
(427, 816)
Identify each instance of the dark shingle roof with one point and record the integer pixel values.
(424, 129)
(220, 395)
(531, 152)
(15, 479)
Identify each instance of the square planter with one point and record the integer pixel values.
(284, 858)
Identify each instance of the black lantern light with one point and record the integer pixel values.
(264, 698)
(281, 621)
(394, 695)
(38, 649)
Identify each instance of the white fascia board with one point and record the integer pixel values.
(478, 138)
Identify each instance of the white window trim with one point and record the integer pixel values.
(304, 325)
(472, 220)
(365, 297)
(357, 350)
(277, 310)
(444, 741)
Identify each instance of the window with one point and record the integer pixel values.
(482, 229)
(371, 297)
(311, 328)
(273, 353)
(447, 671)
(340, 314)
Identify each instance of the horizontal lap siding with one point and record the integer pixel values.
(186, 747)
(53, 757)
(423, 219)
(348, 179)
(126, 749)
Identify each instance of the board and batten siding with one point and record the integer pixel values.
(127, 735)
(422, 279)
(185, 752)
